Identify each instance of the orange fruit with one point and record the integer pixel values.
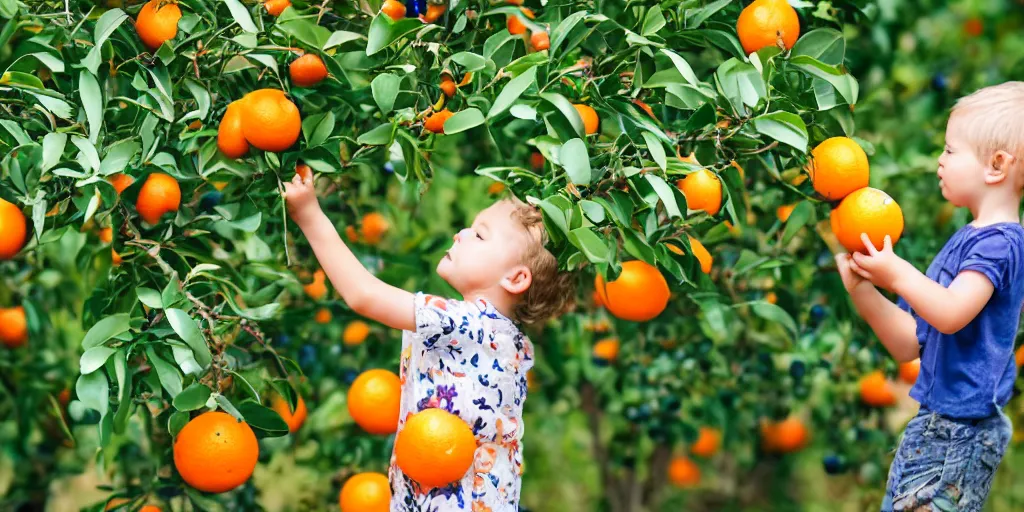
(434, 12)
(435, 448)
(350, 233)
(495, 188)
(373, 401)
(515, 25)
(703, 191)
(771, 298)
(767, 23)
(783, 212)
(639, 294)
(540, 41)
(683, 472)
(215, 452)
(435, 122)
(12, 230)
(606, 349)
(699, 251)
(13, 327)
(448, 86)
(355, 333)
(974, 27)
(160, 194)
(373, 227)
(1020, 356)
(276, 7)
(270, 121)
(870, 211)
(157, 22)
(195, 125)
(64, 396)
(838, 166)
(786, 436)
(393, 9)
(307, 71)
(876, 391)
(910, 370)
(366, 492)
(537, 160)
(107, 235)
(295, 418)
(120, 181)
(590, 120)
(707, 443)
(230, 139)
(117, 502)
(323, 316)
(115, 258)
(318, 288)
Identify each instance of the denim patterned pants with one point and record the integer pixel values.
(946, 465)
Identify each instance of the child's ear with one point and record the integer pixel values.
(999, 167)
(517, 280)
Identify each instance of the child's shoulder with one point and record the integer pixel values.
(997, 239)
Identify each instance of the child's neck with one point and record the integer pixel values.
(501, 300)
(993, 210)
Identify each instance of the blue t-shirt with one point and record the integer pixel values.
(970, 374)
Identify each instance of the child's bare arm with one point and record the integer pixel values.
(895, 328)
(946, 309)
(361, 290)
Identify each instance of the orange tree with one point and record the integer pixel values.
(144, 147)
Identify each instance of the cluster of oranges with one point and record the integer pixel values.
(264, 118)
(157, 21)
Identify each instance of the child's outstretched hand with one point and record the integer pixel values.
(881, 266)
(851, 279)
(301, 197)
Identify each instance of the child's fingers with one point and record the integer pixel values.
(867, 243)
(887, 245)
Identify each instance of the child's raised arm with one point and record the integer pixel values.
(895, 328)
(361, 290)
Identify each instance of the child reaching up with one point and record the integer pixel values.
(465, 356)
(960, 318)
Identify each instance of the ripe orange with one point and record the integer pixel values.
(870, 211)
(783, 212)
(707, 443)
(355, 333)
(909, 371)
(373, 401)
(515, 25)
(590, 120)
(540, 41)
(215, 452)
(699, 251)
(639, 294)
(974, 27)
(276, 7)
(115, 258)
(160, 194)
(270, 121)
(537, 160)
(307, 71)
(294, 419)
(373, 228)
(876, 391)
(117, 502)
(434, 12)
(683, 472)
(703, 191)
(435, 448)
(448, 86)
(1020, 356)
(365, 492)
(120, 181)
(157, 22)
(767, 23)
(13, 327)
(393, 9)
(787, 436)
(323, 316)
(495, 188)
(230, 139)
(318, 288)
(435, 122)
(838, 166)
(12, 230)
(107, 235)
(771, 298)
(350, 233)
(606, 349)
(64, 396)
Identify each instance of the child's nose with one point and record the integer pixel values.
(458, 236)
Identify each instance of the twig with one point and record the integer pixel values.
(589, 405)
(769, 147)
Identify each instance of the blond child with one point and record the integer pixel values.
(466, 356)
(960, 318)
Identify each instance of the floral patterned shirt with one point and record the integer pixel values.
(470, 360)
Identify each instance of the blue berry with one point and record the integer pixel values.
(210, 199)
(833, 464)
(389, 167)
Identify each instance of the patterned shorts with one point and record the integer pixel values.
(946, 465)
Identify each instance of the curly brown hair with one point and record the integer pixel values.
(552, 292)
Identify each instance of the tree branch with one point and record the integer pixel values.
(588, 401)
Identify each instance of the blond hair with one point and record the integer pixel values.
(993, 120)
(552, 292)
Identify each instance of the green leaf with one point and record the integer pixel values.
(683, 67)
(565, 107)
(653, 21)
(22, 79)
(526, 62)
(53, 149)
(824, 44)
(383, 32)
(563, 29)
(92, 101)
(741, 83)
(118, 156)
(105, 27)
(555, 208)
(636, 246)
(176, 422)
(318, 128)
(263, 419)
(192, 398)
(464, 120)
(574, 159)
(124, 385)
(53, 63)
(385, 90)
(169, 377)
(94, 358)
(470, 61)
(225, 403)
(592, 246)
(695, 17)
(784, 127)
(93, 391)
(656, 149)
(340, 37)
(666, 194)
(774, 314)
(149, 297)
(845, 84)
(202, 502)
(723, 40)
(512, 91)
(183, 356)
(378, 136)
(241, 15)
(105, 329)
(525, 112)
(797, 220)
(189, 332)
